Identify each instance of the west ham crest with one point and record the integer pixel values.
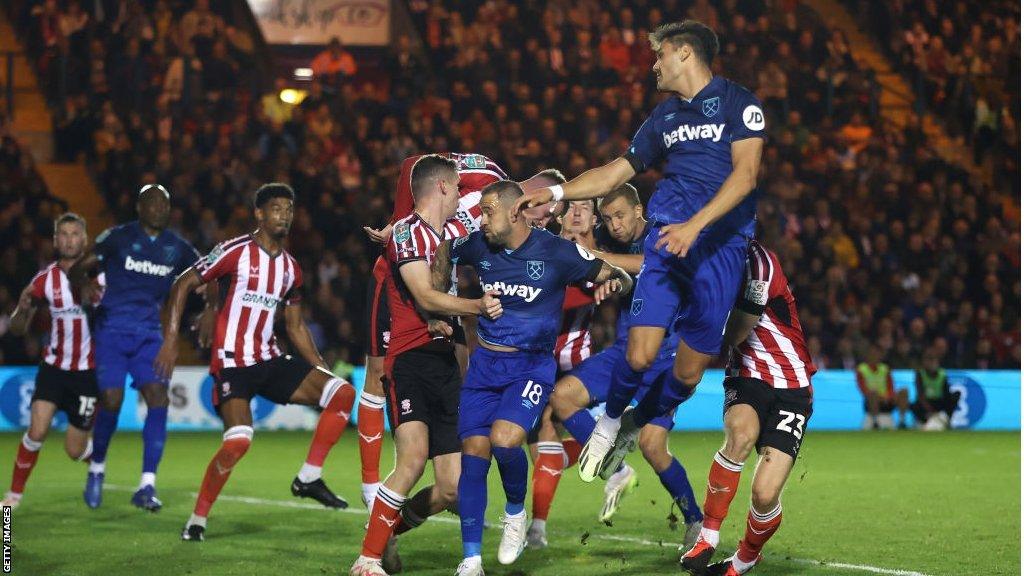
(710, 107)
(535, 269)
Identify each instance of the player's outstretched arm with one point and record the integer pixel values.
(167, 357)
(417, 278)
(611, 279)
(746, 160)
(23, 313)
(593, 183)
(629, 262)
(300, 336)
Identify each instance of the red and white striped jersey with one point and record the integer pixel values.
(258, 282)
(475, 172)
(71, 346)
(412, 238)
(573, 344)
(774, 352)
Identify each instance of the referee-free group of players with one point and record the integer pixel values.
(690, 280)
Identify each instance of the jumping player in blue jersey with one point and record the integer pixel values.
(707, 136)
(140, 261)
(512, 371)
(620, 241)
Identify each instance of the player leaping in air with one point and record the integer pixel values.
(768, 401)
(67, 378)
(708, 136)
(512, 371)
(246, 360)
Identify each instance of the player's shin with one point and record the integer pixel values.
(760, 528)
(678, 486)
(237, 440)
(24, 462)
(154, 436)
(514, 468)
(383, 517)
(337, 400)
(103, 431)
(547, 471)
(371, 433)
(625, 382)
(473, 502)
(723, 479)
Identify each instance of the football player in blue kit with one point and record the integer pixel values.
(139, 261)
(621, 241)
(707, 137)
(512, 371)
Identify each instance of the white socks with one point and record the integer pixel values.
(369, 493)
(148, 479)
(97, 467)
(309, 473)
(194, 520)
(710, 536)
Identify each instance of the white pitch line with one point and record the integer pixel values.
(610, 537)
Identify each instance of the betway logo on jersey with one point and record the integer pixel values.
(146, 267)
(528, 293)
(258, 299)
(686, 132)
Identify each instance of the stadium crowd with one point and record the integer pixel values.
(883, 241)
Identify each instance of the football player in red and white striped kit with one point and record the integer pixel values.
(67, 377)
(246, 359)
(475, 172)
(768, 401)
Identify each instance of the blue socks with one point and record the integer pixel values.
(675, 481)
(514, 468)
(154, 434)
(103, 431)
(473, 502)
(580, 425)
(625, 382)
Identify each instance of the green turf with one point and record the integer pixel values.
(931, 503)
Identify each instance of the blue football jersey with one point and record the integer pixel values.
(531, 281)
(139, 271)
(694, 140)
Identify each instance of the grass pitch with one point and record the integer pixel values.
(857, 503)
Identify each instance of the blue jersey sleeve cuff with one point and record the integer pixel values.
(635, 162)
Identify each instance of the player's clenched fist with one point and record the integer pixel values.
(490, 306)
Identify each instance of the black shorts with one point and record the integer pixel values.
(783, 412)
(73, 391)
(276, 380)
(423, 386)
(378, 314)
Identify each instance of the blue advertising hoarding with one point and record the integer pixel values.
(989, 400)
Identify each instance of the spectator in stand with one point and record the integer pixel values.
(935, 402)
(334, 64)
(874, 378)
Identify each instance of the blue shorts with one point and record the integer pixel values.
(122, 353)
(511, 386)
(697, 292)
(596, 375)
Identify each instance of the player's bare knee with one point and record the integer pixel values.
(155, 396)
(507, 437)
(565, 400)
(111, 400)
(639, 359)
(739, 443)
(688, 375)
(763, 498)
